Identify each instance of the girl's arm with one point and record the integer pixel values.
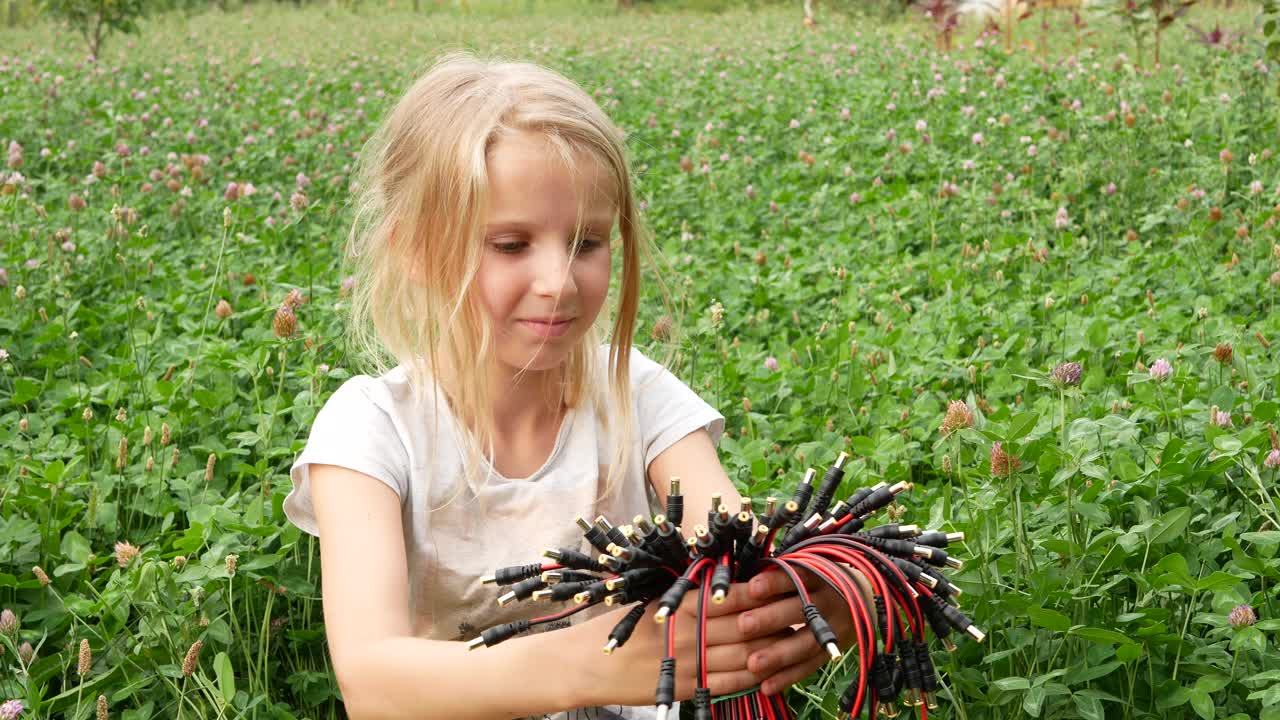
(693, 459)
(384, 671)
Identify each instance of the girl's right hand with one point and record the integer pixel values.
(629, 675)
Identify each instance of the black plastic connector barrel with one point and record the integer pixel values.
(665, 695)
(827, 489)
(516, 573)
(702, 704)
(622, 631)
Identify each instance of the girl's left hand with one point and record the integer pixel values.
(775, 608)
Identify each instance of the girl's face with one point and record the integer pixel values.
(541, 286)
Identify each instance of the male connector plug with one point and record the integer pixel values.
(675, 503)
(634, 557)
(721, 578)
(938, 623)
(940, 539)
(665, 695)
(748, 559)
(878, 498)
(958, 620)
(574, 559)
(560, 592)
(894, 531)
(621, 632)
(912, 681)
(804, 492)
(928, 675)
(938, 557)
(552, 577)
(801, 531)
(498, 633)
(822, 631)
(512, 574)
(707, 544)
(592, 594)
(593, 534)
(830, 483)
(614, 534)
(914, 573)
(671, 599)
(901, 548)
(941, 585)
(521, 591)
(669, 545)
(702, 704)
(886, 689)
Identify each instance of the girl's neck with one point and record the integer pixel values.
(521, 404)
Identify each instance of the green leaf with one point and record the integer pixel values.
(226, 676)
(1202, 704)
(1033, 701)
(1128, 653)
(1012, 683)
(1090, 708)
(1171, 525)
(1046, 618)
(75, 547)
(1212, 683)
(1227, 445)
(1022, 425)
(1100, 635)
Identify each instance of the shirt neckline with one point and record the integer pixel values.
(570, 416)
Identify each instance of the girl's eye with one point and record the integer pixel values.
(587, 244)
(508, 246)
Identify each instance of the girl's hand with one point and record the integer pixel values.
(630, 675)
(772, 607)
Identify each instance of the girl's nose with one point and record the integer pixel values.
(553, 276)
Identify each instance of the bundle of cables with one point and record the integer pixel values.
(889, 577)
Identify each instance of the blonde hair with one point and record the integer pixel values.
(421, 200)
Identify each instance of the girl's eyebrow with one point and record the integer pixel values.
(601, 222)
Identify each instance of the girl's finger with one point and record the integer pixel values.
(772, 583)
(791, 675)
(772, 618)
(794, 647)
(739, 598)
(728, 683)
(734, 656)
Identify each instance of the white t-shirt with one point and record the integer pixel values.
(373, 426)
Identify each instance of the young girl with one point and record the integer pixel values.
(483, 249)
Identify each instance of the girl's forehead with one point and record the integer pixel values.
(528, 177)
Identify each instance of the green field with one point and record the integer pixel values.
(897, 227)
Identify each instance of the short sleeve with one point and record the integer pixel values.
(353, 430)
(667, 408)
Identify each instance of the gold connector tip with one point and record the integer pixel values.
(908, 531)
(475, 643)
(718, 597)
(948, 644)
(541, 595)
(551, 553)
(955, 563)
(614, 583)
(889, 709)
(581, 597)
(615, 599)
(808, 476)
(834, 651)
(610, 646)
(975, 633)
(488, 580)
(840, 461)
(931, 701)
(660, 616)
(506, 599)
(582, 523)
(675, 485)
